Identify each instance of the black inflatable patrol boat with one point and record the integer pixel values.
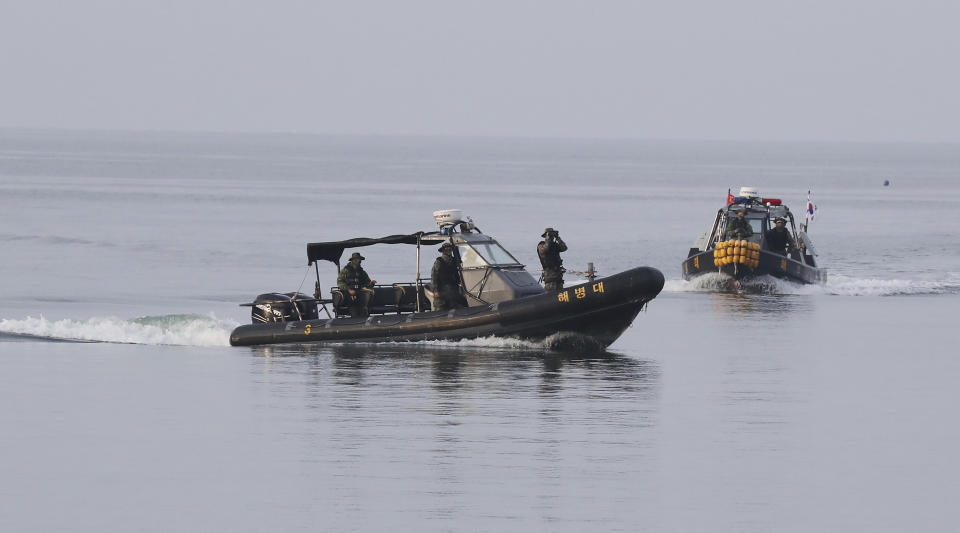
(504, 299)
(743, 258)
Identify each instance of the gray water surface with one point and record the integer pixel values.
(790, 409)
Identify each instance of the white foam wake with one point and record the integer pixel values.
(709, 282)
(488, 342)
(184, 330)
(836, 285)
(558, 342)
(847, 286)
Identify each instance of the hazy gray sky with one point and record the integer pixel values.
(695, 69)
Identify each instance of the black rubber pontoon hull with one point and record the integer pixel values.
(601, 309)
(770, 264)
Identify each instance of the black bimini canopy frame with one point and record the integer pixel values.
(333, 251)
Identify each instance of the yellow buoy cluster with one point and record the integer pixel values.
(743, 252)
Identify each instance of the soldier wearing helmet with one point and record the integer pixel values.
(446, 281)
(778, 238)
(738, 227)
(549, 251)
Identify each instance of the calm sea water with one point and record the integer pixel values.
(791, 408)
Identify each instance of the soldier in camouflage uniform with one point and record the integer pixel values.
(446, 281)
(549, 251)
(356, 286)
(738, 228)
(778, 238)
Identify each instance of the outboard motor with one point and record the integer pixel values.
(288, 307)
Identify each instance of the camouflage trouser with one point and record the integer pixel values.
(360, 302)
(449, 299)
(552, 280)
(553, 286)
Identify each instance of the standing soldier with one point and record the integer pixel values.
(356, 286)
(549, 251)
(778, 238)
(738, 228)
(446, 281)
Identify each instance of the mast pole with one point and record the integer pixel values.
(419, 284)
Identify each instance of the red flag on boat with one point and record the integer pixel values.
(729, 197)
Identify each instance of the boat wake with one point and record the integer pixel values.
(846, 286)
(200, 330)
(718, 282)
(836, 285)
(181, 330)
(560, 342)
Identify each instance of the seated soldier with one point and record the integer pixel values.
(356, 286)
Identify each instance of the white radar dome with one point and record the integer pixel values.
(447, 217)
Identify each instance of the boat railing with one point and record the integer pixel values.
(714, 233)
(387, 299)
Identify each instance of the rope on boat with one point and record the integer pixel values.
(293, 299)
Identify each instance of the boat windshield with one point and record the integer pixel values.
(756, 224)
(482, 254)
